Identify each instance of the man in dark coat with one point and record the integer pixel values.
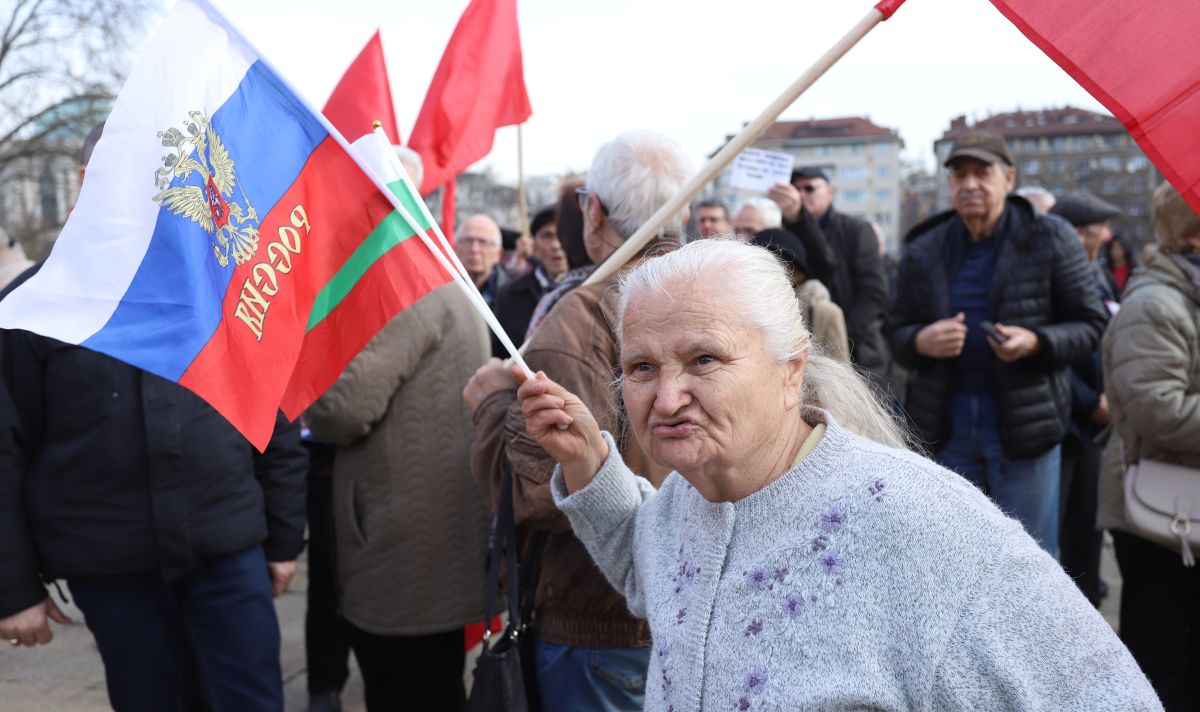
(844, 255)
(993, 405)
(1079, 540)
(173, 534)
(515, 304)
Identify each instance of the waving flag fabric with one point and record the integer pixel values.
(217, 210)
(479, 86)
(364, 95)
(1138, 59)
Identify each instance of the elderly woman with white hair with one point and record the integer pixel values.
(798, 557)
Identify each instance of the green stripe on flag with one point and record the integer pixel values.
(391, 231)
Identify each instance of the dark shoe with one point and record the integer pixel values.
(324, 702)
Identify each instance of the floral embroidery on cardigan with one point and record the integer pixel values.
(786, 586)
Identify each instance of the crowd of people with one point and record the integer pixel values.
(760, 467)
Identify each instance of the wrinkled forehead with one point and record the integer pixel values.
(681, 311)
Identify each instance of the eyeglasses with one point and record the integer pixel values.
(581, 199)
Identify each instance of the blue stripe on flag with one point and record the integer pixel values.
(173, 305)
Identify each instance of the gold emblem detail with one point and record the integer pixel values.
(232, 228)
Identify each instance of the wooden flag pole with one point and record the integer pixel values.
(638, 241)
(522, 205)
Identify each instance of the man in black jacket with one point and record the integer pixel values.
(171, 531)
(993, 405)
(844, 255)
(515, 304)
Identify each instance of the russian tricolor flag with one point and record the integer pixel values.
(223, 238)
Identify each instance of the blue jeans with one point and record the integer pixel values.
(222, 612)
(592, 679)
(1026, 489)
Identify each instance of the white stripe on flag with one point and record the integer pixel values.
(189, 64)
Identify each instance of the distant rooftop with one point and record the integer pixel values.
(1065, 120)
(843, 127)
(830, 130)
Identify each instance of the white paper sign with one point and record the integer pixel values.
(759, 170)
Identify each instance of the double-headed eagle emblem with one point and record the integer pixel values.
(232, 228)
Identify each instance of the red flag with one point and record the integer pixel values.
(478, 87)
(364, 96)
(1139, 60)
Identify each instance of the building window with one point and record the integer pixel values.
(883, 171)
(883, 217)
(1031, 167)
(822, 150)
(1058, 143)
(1112, 164)
(852, 196)
(882, 149)
(883, 195)
(1115, 140)
(1029, 145)
(1136, 208)
(1058, 165)
(1083, 168)
(1137, 163)
(1110, 185)
(1083, 143)
(854, 149)
(852, 172)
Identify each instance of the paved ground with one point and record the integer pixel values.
(66, 676)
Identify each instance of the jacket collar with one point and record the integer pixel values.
(1172, 270)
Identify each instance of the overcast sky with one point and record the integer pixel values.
(693, 70)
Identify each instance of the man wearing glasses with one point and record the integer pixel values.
(844, 255)
(478, 245)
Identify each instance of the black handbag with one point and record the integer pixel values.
(505, 679)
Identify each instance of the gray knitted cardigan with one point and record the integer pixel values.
(864, 578)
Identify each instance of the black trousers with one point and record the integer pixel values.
(419, 672)
(1079, 543)
(326, 633)
(1160, 618)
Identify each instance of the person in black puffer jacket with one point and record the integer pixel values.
(996, 412)
(172, 532)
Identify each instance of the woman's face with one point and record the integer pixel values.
(1116, 253)
(703, 395)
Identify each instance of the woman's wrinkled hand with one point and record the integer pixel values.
(563, 427)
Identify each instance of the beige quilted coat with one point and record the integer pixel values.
(411, 526)
(1152, 376)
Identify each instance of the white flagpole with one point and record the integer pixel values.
(464, 283)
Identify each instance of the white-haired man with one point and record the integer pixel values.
(478, 243)
(591, 653)
(755, 215)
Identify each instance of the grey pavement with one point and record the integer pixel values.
(66, 676)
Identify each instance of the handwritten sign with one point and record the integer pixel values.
(759, 170)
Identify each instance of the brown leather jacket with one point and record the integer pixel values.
(576, 347)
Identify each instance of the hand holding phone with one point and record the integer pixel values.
(990, 329)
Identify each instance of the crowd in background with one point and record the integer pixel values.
(1018, 342)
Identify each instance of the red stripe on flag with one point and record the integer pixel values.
(243, 371)
(394, 282)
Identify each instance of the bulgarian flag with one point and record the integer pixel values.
(225, 238)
